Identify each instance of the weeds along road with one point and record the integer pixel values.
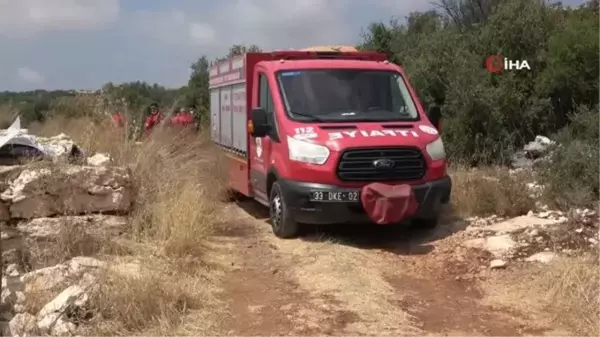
(357, 281)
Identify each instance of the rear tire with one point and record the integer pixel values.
(281, 220)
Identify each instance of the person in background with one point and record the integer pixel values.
(196, 116)
(153, 119)
(118, 119)
(182, 118)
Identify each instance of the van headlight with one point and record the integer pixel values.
(436, 150)
(306, 152)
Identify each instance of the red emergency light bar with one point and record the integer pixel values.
(304, 55)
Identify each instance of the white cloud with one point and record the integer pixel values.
(270, 24)
(26, 17)
(174, 33)
(174, 27)
(201, 33)
(29, 76)
(284, 24)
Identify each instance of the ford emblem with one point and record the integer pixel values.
(383, 163)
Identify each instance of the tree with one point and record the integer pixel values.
(378, 37)
(197, 88)
(467, 12)
(488, 115)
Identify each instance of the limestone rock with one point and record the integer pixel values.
(498, 264)
(99, 159)
(59, 148)
(46, 278)
(55, 276)
(23, 325)
(52, 317)
(98, 226)
(542, 257)
(68, 189)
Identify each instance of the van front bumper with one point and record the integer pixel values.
(430, 196)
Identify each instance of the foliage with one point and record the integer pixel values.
(488, 115)
(571, 175)
(197, 93)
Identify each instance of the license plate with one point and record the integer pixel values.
(334, 196)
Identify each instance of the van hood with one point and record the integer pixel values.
(338, 137)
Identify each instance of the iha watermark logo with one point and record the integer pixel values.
(497, 64)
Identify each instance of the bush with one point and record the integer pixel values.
(571, 175)
(490, 191)
(488, 116)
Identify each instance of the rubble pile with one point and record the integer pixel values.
(542, 234)
(533, 152)
(536, 237)
(38, 202)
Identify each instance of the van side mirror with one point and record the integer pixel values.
(260, 123)
(435, 116)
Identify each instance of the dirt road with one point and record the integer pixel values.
(358, 281)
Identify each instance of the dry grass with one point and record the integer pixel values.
(564, 293)
(488, 191)
(572, 293)
(37, 298)
(8, 114)
(156, 300)
(178, 182)
(72, 241)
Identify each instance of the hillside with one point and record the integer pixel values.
(137, 235)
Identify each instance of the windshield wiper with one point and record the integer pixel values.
(313, 118)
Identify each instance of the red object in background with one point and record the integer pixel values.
(182, 119)
(118, 119)
(152, 121)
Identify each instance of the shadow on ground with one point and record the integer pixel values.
(401, 239)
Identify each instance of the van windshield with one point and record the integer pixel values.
(346, 95)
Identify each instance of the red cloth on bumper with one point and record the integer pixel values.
(387, 204)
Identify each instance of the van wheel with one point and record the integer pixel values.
(281, 221)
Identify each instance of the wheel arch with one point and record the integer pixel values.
(272, 177)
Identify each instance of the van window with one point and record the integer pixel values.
(265, 101)
(264, 93)
(339, 95)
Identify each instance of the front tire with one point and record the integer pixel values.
(284, 226)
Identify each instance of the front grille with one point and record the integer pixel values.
(357, 164)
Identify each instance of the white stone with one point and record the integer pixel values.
(497, 264)
(72, 296)
(499, 245)
(99, 159)
(68, 189)
(518, 223)
(23, 325)
(46, 278)
(542, 257)
(96, 225)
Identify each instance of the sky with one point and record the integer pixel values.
(83, 44)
